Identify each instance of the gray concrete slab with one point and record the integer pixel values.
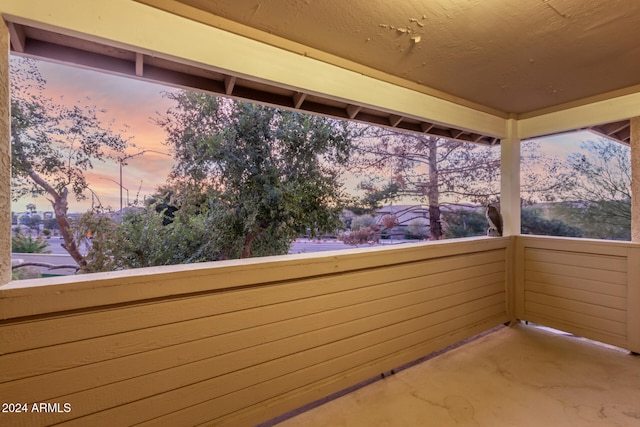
(518, 376)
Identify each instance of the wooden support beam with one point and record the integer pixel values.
(510, 180)
(623, 135)
(229, 84)
(426, 127)
(298, 99)
(635, 179)
(139, 64)
(613, 128)
(394, 120)
(17, 36)
(353, 110)
(5, 157)
(456, 133)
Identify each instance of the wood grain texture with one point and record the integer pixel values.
(217, 354)
(580, 286)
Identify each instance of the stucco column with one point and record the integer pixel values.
(635, 179)
(510, 180)
(5, 158)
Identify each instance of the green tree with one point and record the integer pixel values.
(600, 201)
(464, 223)
(53, 145)
(268, 174)
(426, 167)
(534, 223)
(399, 164)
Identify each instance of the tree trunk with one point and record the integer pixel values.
(433, 193)
(246, 247)
(60, 206)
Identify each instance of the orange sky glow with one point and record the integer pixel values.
(134, 103)
(128, 102)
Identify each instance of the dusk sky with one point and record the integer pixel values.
(134, 103)
(128, 102)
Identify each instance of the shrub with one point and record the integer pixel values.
(416, 229)
(28, 245)
(360, 236)
(23, 273)
(362, 221)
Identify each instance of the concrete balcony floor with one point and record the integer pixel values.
(518, 376)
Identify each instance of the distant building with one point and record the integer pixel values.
(411, 218)
(405, 215)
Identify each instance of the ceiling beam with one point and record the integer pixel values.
(426, 127)
(298, 99)
(353, 110)
(394, 120)
(456, 133)
(17, 37)
(613, 128)
(139, 64)
(229, 84)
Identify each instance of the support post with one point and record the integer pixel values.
(633, 268)
(5, 158)
(635, 179)
(510, 180)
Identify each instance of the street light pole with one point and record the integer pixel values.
(121, 187)
(122, 163)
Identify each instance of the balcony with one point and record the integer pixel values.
(242, 342)
(239, 343)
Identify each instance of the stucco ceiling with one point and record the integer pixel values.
(509, 58)
(506, 55)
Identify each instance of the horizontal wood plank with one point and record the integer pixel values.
(88, 291)
(569, 304)
(58, 383)
(578, 329)
(585, 321)
(577, 272)
(618, 303)
(576, 259)
(379, 327)
(577, 245)
(593, 286)
(101, 322)
(139, 341)
(273, 378)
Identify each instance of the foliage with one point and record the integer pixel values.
(53, 145)
(375, 196)
(425, 167)
(597, 219)
(361, 236)
(23, 273)
(416, 229)
(267, 174)
(600, 201)
(532, 222)
(33, 221)
(21, 243)
(464, 223)
(362, 221)
(544, 177)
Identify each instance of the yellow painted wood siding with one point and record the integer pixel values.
(240, 342)
(577, 285)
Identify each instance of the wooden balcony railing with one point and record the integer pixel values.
(240, 342)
